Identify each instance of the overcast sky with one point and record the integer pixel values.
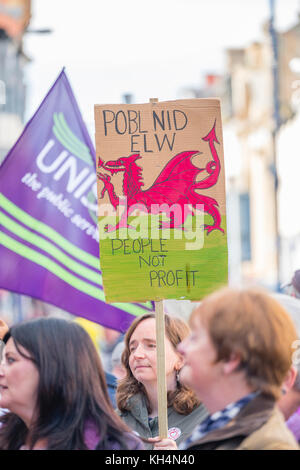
(151, 48)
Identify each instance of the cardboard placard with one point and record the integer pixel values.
(161, 199)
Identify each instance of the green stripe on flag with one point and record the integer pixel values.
(69, 142)
(73, 138)
(133, 309)
(73, 250)
(48, 247)
(45, 262)
(48, 232)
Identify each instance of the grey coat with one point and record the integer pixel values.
(180, 426)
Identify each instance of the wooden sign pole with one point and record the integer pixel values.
(161, 370)
(161, 361)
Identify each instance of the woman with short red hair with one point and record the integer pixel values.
(236, 360)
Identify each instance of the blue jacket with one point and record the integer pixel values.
(112, 387)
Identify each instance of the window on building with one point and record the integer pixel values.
(245, 227)
(2, 93)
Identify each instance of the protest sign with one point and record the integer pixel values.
(49, 237)
(161, 190)
(162, 213)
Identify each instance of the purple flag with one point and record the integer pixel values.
(49, 242)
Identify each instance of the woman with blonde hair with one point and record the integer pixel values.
(137, 393)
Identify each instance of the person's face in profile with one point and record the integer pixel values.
(19, 379)
(200, 371)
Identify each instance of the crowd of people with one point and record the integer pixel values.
(231, 374)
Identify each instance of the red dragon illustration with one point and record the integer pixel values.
(176, 184)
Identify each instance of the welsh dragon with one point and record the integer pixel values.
(176, 184)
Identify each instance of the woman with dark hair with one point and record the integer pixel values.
(53, 384)
(137, 392)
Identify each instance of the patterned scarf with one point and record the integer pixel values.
(217, 420)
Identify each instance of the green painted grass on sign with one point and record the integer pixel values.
(146, 268)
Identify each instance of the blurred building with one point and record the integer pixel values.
(252, 121)
(288, 154)
(253, 180)
(252, 154)
(14, 19)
